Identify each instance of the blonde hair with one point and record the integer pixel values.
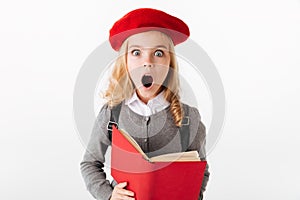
(121, 87)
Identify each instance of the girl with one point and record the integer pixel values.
(144, 85)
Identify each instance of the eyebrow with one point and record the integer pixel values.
(138, 46)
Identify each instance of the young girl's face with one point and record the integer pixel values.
(148, 61)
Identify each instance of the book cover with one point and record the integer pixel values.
(171, 176)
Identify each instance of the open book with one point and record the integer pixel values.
(173, 176)
(170, 157)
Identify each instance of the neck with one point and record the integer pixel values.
(145, 99)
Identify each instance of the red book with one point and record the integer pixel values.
(176, 176)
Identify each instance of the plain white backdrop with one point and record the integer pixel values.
(255, 46)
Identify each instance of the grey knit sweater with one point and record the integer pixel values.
(156, 135)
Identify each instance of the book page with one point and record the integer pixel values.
(177, 157)
(134, 143)
(171, 157)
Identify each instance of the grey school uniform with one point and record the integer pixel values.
(156, 134)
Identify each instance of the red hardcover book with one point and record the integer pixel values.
(176, 176)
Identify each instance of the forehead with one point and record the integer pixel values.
(149, 39)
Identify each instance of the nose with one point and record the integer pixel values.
(147, 65)
(148, 62)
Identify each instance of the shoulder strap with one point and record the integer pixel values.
(185, 129)
(114, 119)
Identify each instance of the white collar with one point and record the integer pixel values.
(132, 99)
(153, 106)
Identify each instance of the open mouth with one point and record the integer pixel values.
(147, 81)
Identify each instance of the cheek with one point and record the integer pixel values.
(135, 74)
(164, 71)
(161, 70)
(164, 67)
(131, 68)
(161, 74)
(132, 63)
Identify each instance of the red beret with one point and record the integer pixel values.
(146, 19)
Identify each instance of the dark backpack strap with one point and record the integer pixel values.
(114, 119)
(185, 129)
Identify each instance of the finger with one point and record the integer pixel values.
(122, 197)
(125, 192)
(128, 198)
(121, 185)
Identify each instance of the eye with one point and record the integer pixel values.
(135, 52)
(159, 53)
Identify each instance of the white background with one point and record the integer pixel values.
(255, 46)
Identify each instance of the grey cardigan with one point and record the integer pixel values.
(156, 135)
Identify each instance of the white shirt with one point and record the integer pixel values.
(153, 106)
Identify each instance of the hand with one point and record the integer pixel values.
(119, 193)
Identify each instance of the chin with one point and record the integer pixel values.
(148, 92)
